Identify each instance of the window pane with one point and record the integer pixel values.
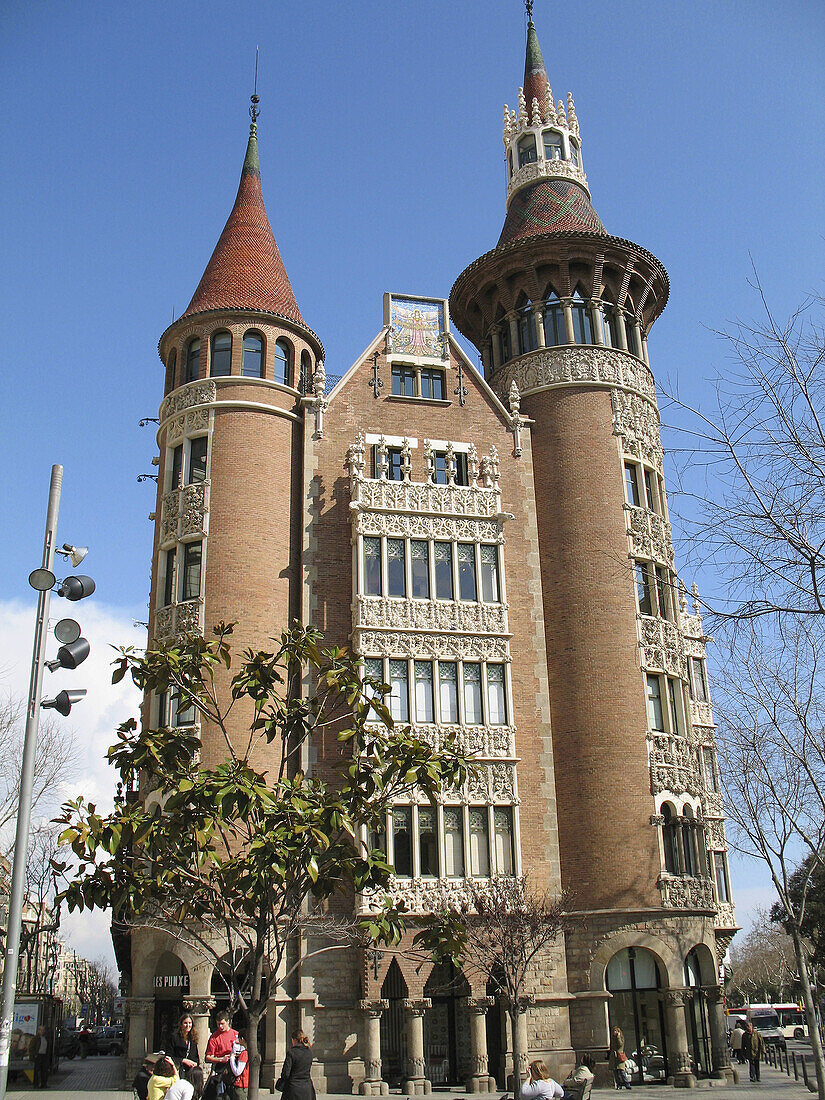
(191, 571)
(399, 698)
(479, 842)
(673, 701)
(424, 691)
(221, 355)
(170, 373)
(306, 372)
(378, 840)
(283, 362)
(663, 592)
(670, 844)
(504, 341)
(428, 842)
(552, 145)
(193, 359)
(454, 842)
(582, 328)
(709, 768)
(169, 580)
(527, 151)
(643, 593)
(655, 718)
(722, 891)
(163, 710)
(631, 484)
(432, 383)
(697, 669)
(448, 691)
(177, 464)
(197, 459)
(396, 568)
(443, 570)
(394, 463)
(440, 468)
(461, 471)
(689, 847)
(466, 571)
(503, 826)
(489, 574)
(402, 840)
(420, 566)
(253, 356)
(650, 493)
(184, 713)
(497, 708)
(554, 330)
(374, 669)
(472, 694)
(372, 566)
(403, 380)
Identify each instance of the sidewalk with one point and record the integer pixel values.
(103, 1078)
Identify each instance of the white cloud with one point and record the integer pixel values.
(93, 720)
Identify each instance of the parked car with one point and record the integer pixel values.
(110, 1039)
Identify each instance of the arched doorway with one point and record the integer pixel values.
(171, 985)
(393, 1033)
(634, 978)
(696, 1010)
(447, 1025)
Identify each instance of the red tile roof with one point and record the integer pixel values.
(246, 270)
(549, 206)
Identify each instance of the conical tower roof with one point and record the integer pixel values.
(535, 74)
(246, 270)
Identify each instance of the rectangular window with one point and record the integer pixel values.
(372, 566)
(377, 841)
(432, 383)
(428, 842)
(552, 145)
(177, 466)
(503, 828)
(467, 571)
(443, 570)
(643, 593)
(448, 691)
(555, 332)
(169, 578)
(394, 464)
(489, 574)
(402, 840)
(373, 670)
(582, 325)
(440, 468)
(399, 693)
(698, 679)
(496, 697)
(722, 882)
(396, 568)
(504, 341)
(650, 492)
(424, 691)
(191, 571)
(655, 715)
(403, 380)
(184, 713)
(420, 568)
(461, 472)
(631, 484)
(675, 708)
(197, 460)
(663, 592)
(454, 842)
(472, 694)
(709, 768)
(163, 710)
(479, 842)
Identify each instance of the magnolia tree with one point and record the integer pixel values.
(245, 859)
(499, 933)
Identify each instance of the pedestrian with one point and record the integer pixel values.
(40, 1052)
(579, 1082)
(164, 1076)
(141, 1081)
(218, 1052)
(295, 1082)
(539, 1083)
(736, 1037)
(183, 1046)
(616, 1060)
(239, 1069)
(753, 1047)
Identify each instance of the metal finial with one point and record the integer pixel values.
(529, 6)
(253, 107)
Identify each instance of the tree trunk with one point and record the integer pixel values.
(810, 1010)
(254, 1055)
(514, 1029)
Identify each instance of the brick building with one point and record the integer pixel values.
(497, 547)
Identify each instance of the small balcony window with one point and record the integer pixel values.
(553, 149)
(527, 153)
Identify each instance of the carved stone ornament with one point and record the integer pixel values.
(674, 767)
(450, 528)
(545, 169)
(484, 743)
(479, 1004)
(724, 938)
(199, 1006)
(636, 422)
(448, 647)
(177, 620)
(662, 649)
(139, 1006)
(374, 1007)
(606, 368)
(702, 715)
(650, 535)
(725, 916)
(202, 392)
(686, 893)
(192, 422)
(378, 494)
(715, 835)
(430, 615)
(422, 895)
(417, 1007)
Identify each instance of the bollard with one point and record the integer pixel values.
(804, 1070)
(795, 1068)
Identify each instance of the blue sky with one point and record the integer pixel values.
(124, 127)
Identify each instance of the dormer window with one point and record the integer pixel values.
(553, 149)
(527, 150)
(575, 155)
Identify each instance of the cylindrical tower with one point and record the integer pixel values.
(560, 312)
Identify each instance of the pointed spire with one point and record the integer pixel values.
(535, 74)
(246, 270)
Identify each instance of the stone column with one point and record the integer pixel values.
(416, 1083)
(138, 1009)
(539, 316)
(373, 1083)
(567, 306)
(479, 1079)
(677, 1045)
(720, 1055)
(495, 348)
(199, 1009)
(515, 348)
(621, 331)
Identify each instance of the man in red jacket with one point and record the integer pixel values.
(218, 1053)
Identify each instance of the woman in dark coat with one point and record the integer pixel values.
(183, 1047)
(295, 1082)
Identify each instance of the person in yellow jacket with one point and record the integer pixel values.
(164, 1076)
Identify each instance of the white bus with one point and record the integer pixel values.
(792, 1021)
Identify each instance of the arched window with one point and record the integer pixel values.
(610, 325)
(554, 330)
(689, 842)
(306, 372)
(170, 371)
(527, 150)
(582, 323)
(193, 360)
(221, 363)
(634, 978)
(553, 149)
(526, 329)
(575, 155)
(253, 355)
(283, 362)
(671, 843)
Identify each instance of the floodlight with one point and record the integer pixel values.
(76, 588)
(66, 631)
(64, 702)
(70, 656)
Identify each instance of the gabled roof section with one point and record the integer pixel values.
(246, 270)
